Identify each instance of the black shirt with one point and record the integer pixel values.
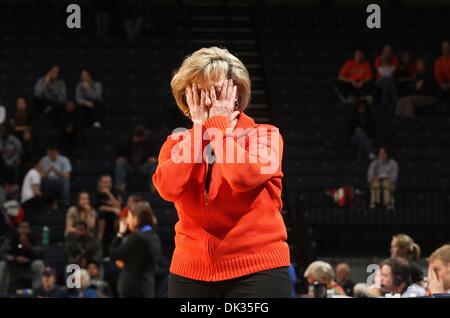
(140, 253)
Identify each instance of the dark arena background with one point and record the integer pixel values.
(294, 52)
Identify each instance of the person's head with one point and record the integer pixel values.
(210, 67)
(133, 200)
(420, 65)
(70, 106)
(342, 272)
(86, 76)
(105, 182)
(81, 229)
(359, 56)
(24, 228)
(48, 279)
(320, 272)
(446, 48)
(21, 104)
(395, 275)
(140, 215)
(439, 262)
(93, 269)
(37, 164)
(53, 152)
(83, 201)
(387, 51)
(406, 57)
(404, 246)
(140, 134)
(85, 279)
(54, 72)
(383, 154)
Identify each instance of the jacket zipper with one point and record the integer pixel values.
(206, 197)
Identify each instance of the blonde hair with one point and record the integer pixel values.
(320, 271)
(442, 254)
(406, 243)
(205, 64)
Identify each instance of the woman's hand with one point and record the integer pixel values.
(224, 105)
(123, 227)
(435, 284)
(196, 103)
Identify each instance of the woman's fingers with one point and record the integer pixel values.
(195, 94)
(229, 89)
(189, 100)
(223, 90)
(234, 115)
(202, 99)
(234, 94)
(213, 95)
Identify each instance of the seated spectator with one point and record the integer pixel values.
(136, 158)
(87, 290)
(103, 289)
(386, 65)
(382, 177)
(2, 112)
(50, 92)
(354, 80)
(81, 246)
(81, 212)
(442, 70)
(56, 170)
(420, 95)
(406, 73)
(343, 278)
(322, 273)
(10, 150)
(22, 118)
(24, 259)
(361, 130)
(49, 288)
(32, 196)
(108, 204)
(439, 271)
(395, 278)
(70, 128)
(404, 246)
(89, 95)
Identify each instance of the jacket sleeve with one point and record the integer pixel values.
(122, 248)
(178, 158)
(253, 165)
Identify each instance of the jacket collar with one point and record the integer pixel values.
(244, 121)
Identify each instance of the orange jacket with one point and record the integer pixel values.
(356, 71)
(236, 228)
(442, 70)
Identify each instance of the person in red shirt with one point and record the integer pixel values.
(354, 78)
(230, 238)
(442, 69)
(386, 65)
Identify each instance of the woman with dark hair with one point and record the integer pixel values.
(139, 251)
(82, 211)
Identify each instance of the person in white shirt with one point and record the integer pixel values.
(31, 194)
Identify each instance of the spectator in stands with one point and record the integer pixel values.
(136, 157)
(50, 92)
(32, 197)
(81, 212)
(87, 289)
(24, 258)
(404, 246)
(439, 271)
(70, 128)
(406, 73)
(89, 96)
(354, 80)
(81, 246)
(56, 173)
(382, 177)
(11, 150)
(108, 204)
(3, 113)
(140, 252)
(361, 130)
(49, 288)
(442, 70)
(5, 243)
(22, 118)
(395, 278)
(386, 65)
(343, 278)
(322, 273)
(421, 94)
(94, 271)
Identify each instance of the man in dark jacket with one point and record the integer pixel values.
(81, 247)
